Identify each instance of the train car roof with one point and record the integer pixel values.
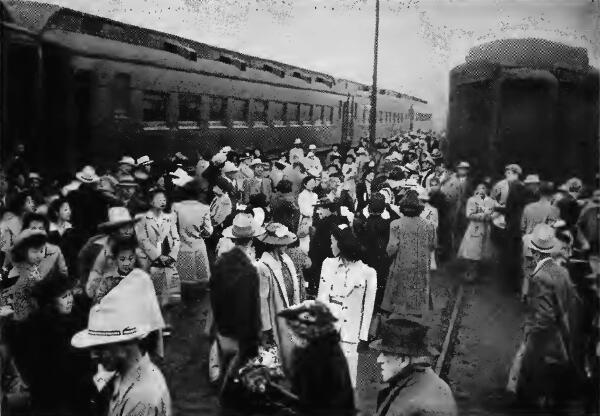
(43, 18)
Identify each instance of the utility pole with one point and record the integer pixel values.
(373, 112)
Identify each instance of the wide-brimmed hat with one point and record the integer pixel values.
(127, 160)
(144, 161)
(256, 162)
(404, 336)
(463, 165)
(126, 181)
(243, 226)
(312, 147)
(297, 141)
(117, 217)
(543, 238)
(35, 175)
(310, 320)
(513, 167)
(230, 167)
(87, 175)
(140, 175)
(277, 235)
(596, 196)
(129, 311)
(326, 202)
(532, 179)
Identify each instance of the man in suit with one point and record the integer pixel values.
(542, 367)
(413, 388)
(458, 189)
(500, 190)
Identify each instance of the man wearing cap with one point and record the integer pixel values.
(540, 371)
(542, 211)
(296, 153)
(413, 388)
(500, 190)
(458, 189)
(116, 329)
(257, 184)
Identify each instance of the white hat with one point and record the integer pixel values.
(423, 194)
(463, 165)
(181, 177)
(87, 175)
(411, 183)
(117, 217)
(256, 162)
(298, 141)
(532, 179)
(129, 311)
(35, 175)
(225, 149)
(126, 160)
(312, 147)
(230, 167)
(543, 238)
(361, 150)
(144, 160)
(243, 226)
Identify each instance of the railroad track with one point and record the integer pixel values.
(443, 362)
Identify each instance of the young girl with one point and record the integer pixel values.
(27, 254)
(124, 253)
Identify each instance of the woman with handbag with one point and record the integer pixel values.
(158, 237)
(307, 199)
(349, 287)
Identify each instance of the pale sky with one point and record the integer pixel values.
(420, 40)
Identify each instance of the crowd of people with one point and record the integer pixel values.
(308, 258)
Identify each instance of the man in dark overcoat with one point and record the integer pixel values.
(543, 366)
(413, 388)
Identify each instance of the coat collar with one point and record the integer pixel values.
(401, 380)
(270, 261)
(541, 264)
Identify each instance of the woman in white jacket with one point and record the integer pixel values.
(348, 286)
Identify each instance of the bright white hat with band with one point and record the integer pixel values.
(129, 311)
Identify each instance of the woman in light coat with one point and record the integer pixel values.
(158, 237)
(476, 244)
(307, 200)
(279, 287)
(430, 214)
(194, 225)
(348, 287)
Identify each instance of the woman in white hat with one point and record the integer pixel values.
(240, 234)
(116, 336)
(279, 285)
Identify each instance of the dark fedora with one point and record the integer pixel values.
(404, 336)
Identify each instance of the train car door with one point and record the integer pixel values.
(21, 64)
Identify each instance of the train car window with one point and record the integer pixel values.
(318, 114)
(401, 117)
(277, 111)
(340, 109)
(365, 115)
(293, 113)
(239, 110)
(305, 113)
(155, 106)
(121, 96)
(259, 113)
(322, 80)
(330, 114)
(217, 109)
(238, 63)
(274, 70)
(181, 50)
(189, 108)
(355, 110)
(381, 116)
(300, 75)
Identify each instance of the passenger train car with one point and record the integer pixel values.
(80, 88)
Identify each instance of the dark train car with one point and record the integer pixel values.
(528, 101)
(88, 89)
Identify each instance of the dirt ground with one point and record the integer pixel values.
(185, 364)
